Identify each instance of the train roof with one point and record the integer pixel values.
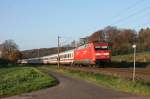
(68, 51)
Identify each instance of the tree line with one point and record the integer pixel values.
(123, 39)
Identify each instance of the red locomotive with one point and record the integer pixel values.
(93, 53)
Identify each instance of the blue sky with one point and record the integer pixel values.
(37, 23)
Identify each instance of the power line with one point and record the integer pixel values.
(146, 23)
(130, 7)
(131, 15)
(127, 9)
(143, 16)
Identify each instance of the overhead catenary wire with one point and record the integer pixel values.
(132, 14)
(142, 25)
(142, 16)
(129, 7)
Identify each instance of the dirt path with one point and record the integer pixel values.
(72, 88)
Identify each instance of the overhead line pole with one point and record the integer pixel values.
(38, 52)
(133, 76)
(58, 49)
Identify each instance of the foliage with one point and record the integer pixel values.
(144, 40)
(10, 51)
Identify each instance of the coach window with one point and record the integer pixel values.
(66, 55)
(101, 47)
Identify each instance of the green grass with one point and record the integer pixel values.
(17, 80)
(140, 57)
(121, 84)
(142, 60)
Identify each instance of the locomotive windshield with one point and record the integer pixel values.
(102, 47)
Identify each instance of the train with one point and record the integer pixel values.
(94, 53)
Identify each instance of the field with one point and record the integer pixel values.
(17, 80)
(141, 87)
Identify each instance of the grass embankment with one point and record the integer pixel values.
(140, 57)
(142, 60)
(121, 84)
(17, 80)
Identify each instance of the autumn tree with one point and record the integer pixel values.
(97, 36)
(127, 38)
(10, 50)
(122, 39)
(144, 40)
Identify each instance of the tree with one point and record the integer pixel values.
(122, 39)
(111, 33)
(144, 39)
(127, 39)
(97, 36)
(10, 50)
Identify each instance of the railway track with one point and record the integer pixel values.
(141, 73)
(130, 70)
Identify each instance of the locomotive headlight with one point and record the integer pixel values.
(97, 54)
(106, 53)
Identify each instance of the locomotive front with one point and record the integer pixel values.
(102, 52)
